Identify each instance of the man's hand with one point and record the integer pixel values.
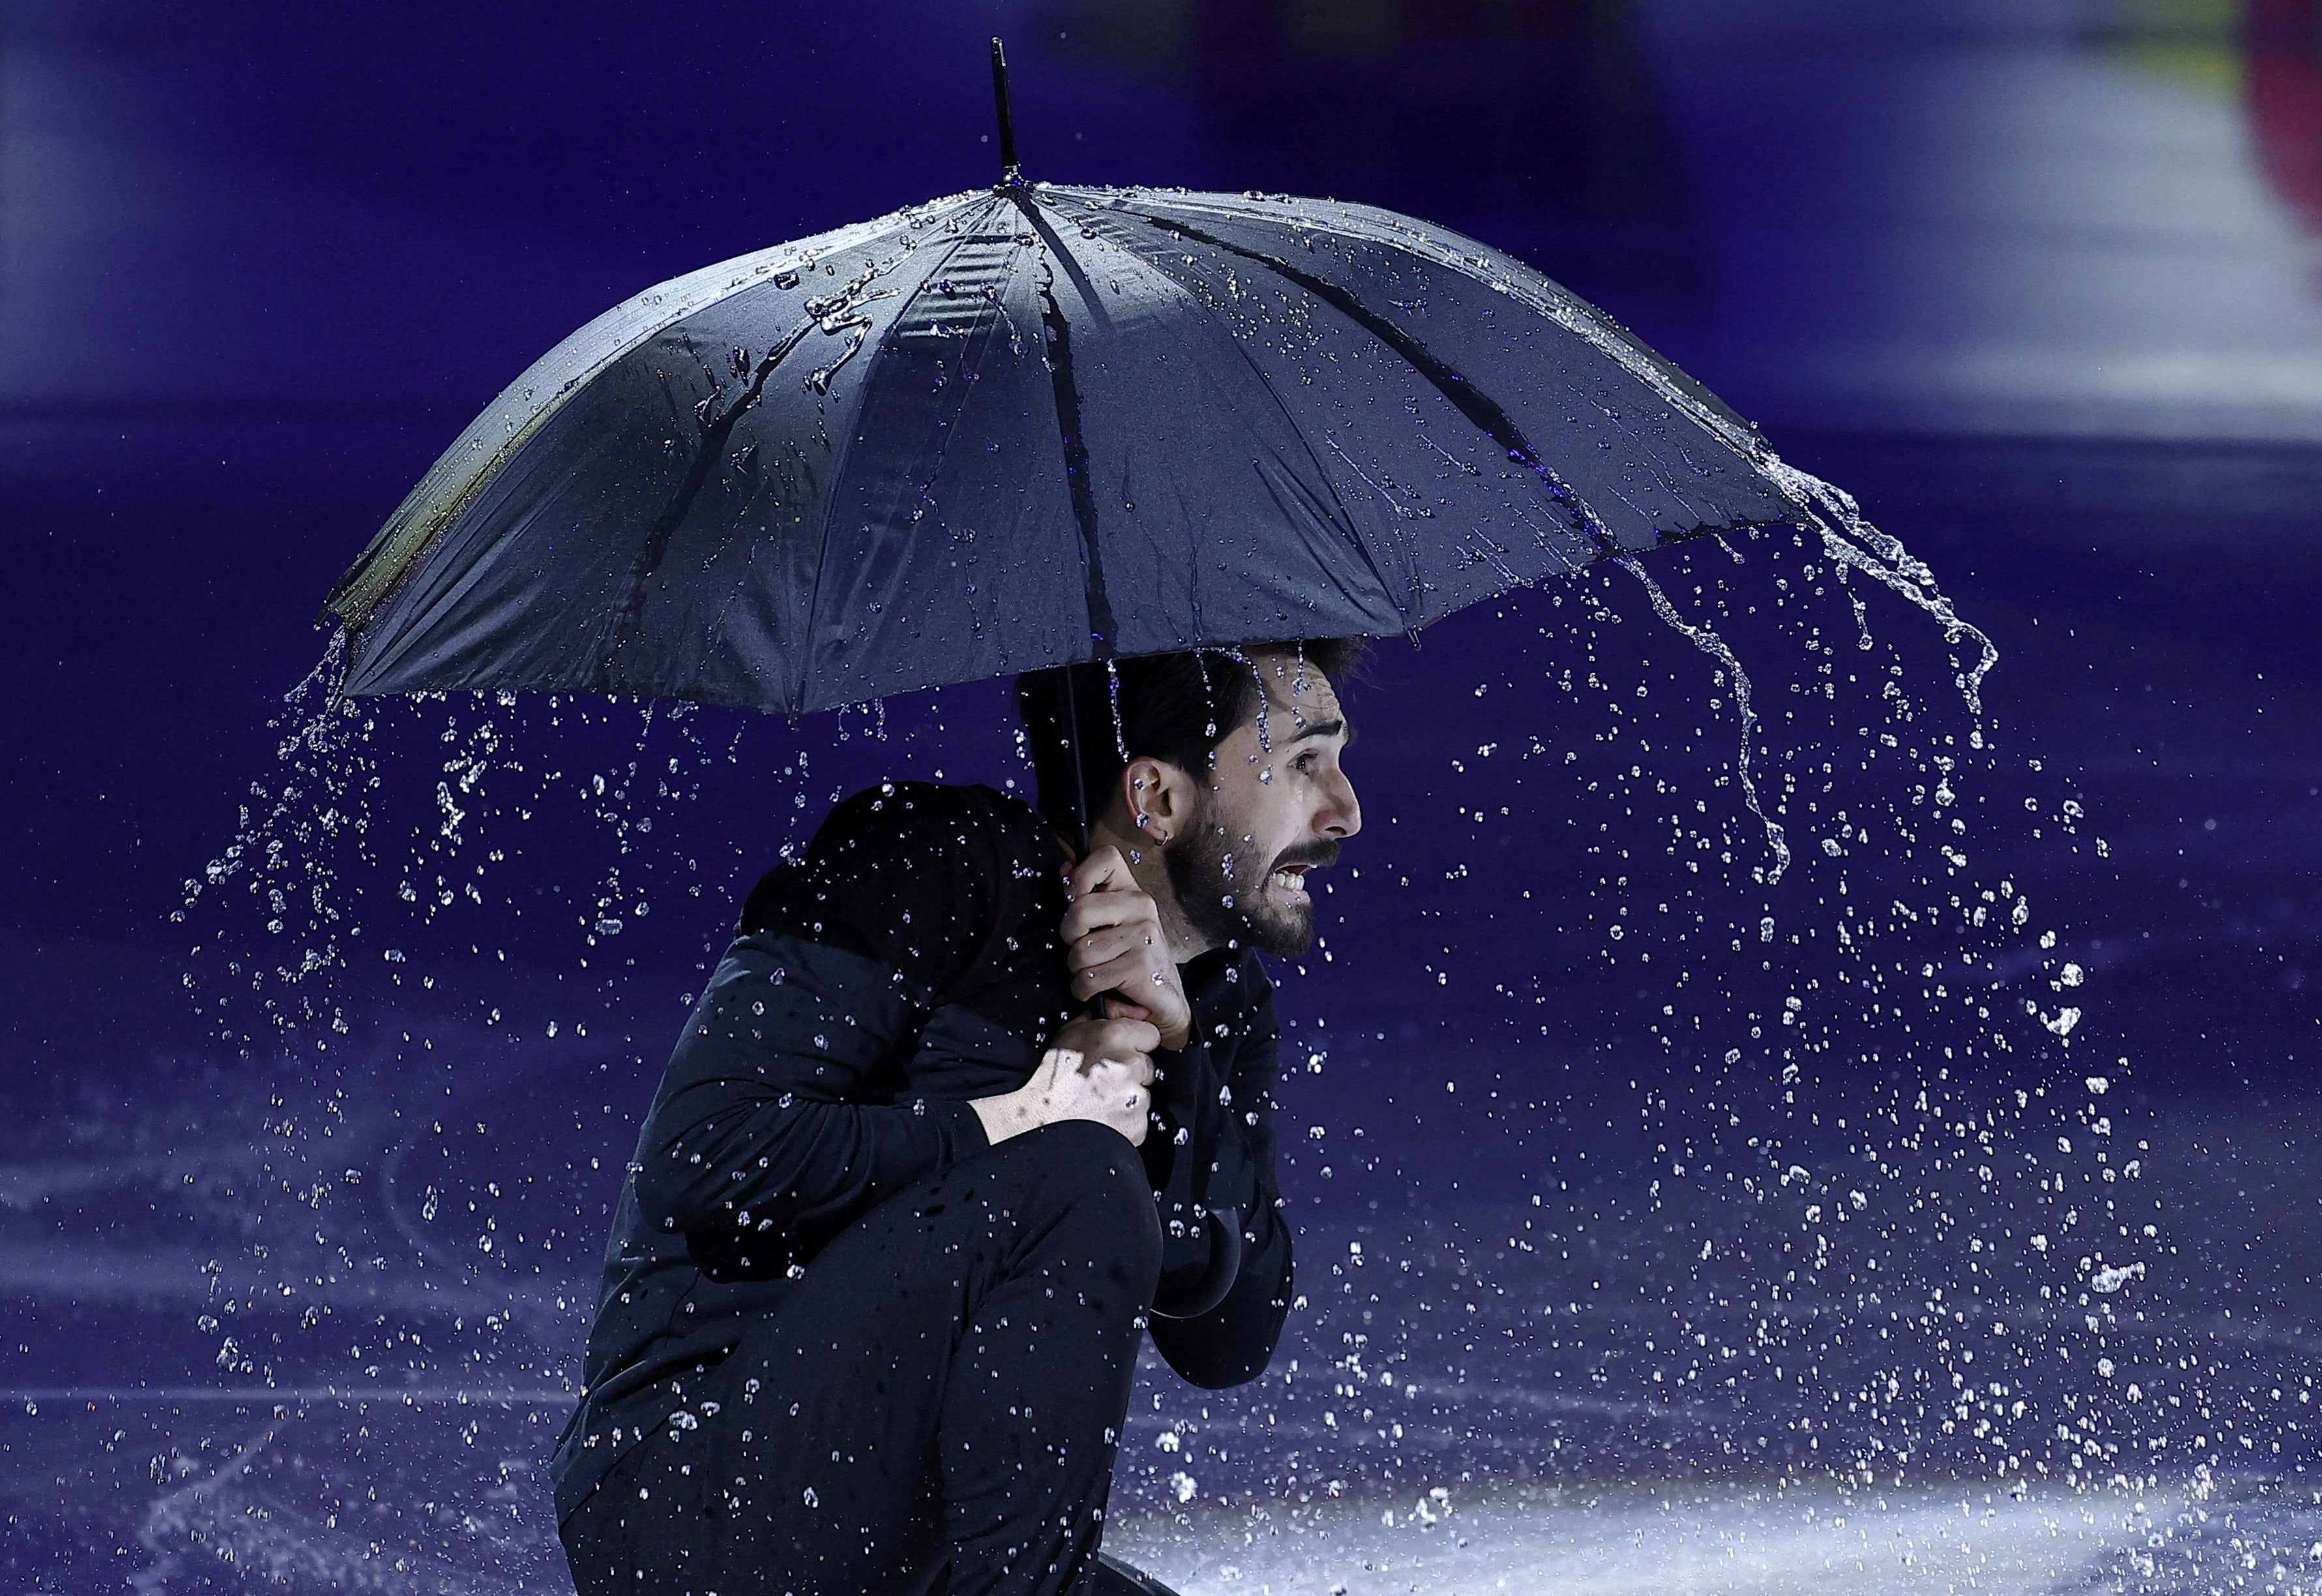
(1113, 944)
(1100, 1069)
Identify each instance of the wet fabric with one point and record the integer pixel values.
(1035, 425)
(907, 964)
(934, 1408)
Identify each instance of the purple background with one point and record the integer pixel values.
(2040, 283)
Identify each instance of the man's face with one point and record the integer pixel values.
(1278, 804)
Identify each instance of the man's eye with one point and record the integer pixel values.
(1304, 763)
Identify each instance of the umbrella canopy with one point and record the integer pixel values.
(1037, 425)
(1033, 426)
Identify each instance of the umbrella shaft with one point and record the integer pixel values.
(1080, 777)
(1007, 173)
(1095, 1007)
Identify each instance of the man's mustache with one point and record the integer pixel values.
(1324, 853)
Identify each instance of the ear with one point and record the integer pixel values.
(1157, 797)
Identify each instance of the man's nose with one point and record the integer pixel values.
(1343, 817)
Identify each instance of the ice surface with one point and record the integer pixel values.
(302, 1372)
(1556, 1541)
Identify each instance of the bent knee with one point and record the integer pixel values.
(1080, 1152)
(1088, 1176)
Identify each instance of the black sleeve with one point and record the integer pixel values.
(760, 1125)
(1231, 1343)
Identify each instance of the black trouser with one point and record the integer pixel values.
(934, 1410)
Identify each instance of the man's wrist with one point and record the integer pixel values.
(1001, 1116)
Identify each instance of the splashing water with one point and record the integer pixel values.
(1860, 1246)
(1846, 537)
(1830, 512)
(1112, 698)
(283, 849)
(1746, 1196)
(1258, 680)
(1710, 643)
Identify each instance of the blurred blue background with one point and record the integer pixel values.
(2039, 281)
(258, 266)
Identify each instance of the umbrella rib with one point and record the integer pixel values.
(1471, 402)
(1198, 297)
(630, 616)
(1077, 460)
(416, 530)
(1077, 481)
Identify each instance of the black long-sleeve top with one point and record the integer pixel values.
(908, 963)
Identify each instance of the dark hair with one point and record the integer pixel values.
(1175, 708)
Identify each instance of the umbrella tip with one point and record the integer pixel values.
(1009, 172)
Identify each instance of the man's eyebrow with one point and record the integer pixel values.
(1325, 728)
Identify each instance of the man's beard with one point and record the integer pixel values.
(1220, 888)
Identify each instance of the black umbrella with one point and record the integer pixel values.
(1035, 424)
(1039, 424)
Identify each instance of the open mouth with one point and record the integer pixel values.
(1291, 878)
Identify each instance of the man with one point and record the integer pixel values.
(902, 1206)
